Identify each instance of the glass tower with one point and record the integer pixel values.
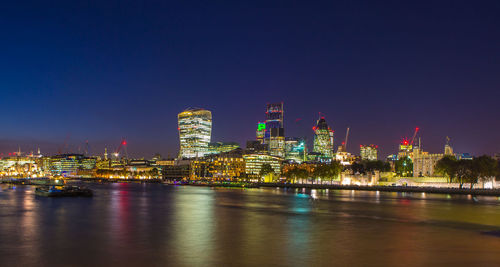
(195, 128)
(323, 138)
(368, 152)
(274, 131)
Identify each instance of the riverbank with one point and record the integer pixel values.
(433, 190)
(415, 189)
(47, 181)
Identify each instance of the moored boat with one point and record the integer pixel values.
(63, 191)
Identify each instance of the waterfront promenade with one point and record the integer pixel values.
(415, 189)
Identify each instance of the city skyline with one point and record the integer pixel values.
(128, 73)
(250, 133)
(67, 147)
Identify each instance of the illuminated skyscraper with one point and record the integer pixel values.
(295, 150)
(195, 128)
(274, 132)
(261, 131)
(323, 138)
(368, 152)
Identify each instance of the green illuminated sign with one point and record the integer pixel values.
(261, 126)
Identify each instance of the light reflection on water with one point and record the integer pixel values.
(152, 224)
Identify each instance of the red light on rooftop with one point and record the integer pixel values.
(124, 142)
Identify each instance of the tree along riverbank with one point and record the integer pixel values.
(417, 189)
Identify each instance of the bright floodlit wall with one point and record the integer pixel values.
(423, 164)
(323, 138)
(254, 162)
(368, 152)
(195, 129)
(222, 167)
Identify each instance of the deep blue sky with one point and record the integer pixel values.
(104, 70)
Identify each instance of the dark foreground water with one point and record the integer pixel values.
(158, 225)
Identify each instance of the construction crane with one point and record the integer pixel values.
(414, 135)
(64, 145)
(344, 144)
(123, 144)
(87, 148)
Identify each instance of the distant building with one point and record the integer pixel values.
(176, 172)
(405, 149)
(224, 166)
(261, 132)
(314, 157)
(467, 156)
(424, 162)
(195, 128)
(323, 139)
(295, 150)
(70, 164)
(368, 152)
(165, 162)
(221, 147)
(275, 132)
(254, 162)
(256, 147)
(345, 158)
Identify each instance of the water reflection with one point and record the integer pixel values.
(194, 225)
(135, 225)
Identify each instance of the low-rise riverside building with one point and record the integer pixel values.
(254, 163)
(224, 166)
(67, 165)
(424, 162)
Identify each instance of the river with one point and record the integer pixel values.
(157, 225)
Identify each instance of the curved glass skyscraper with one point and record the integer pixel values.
(323, 138)
(195, 129)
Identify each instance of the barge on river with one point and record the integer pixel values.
(63, 191)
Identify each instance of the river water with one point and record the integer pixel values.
(158, 225)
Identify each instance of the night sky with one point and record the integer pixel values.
(106, 70)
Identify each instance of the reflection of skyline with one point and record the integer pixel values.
(30, 226)
(299, 229)
(194, 225)
(120, 214)
(134, 224)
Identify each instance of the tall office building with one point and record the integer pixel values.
(275, 132)
(261, 132)
(195, 128)
(368, 152)
(323, 138)
(295, 150)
